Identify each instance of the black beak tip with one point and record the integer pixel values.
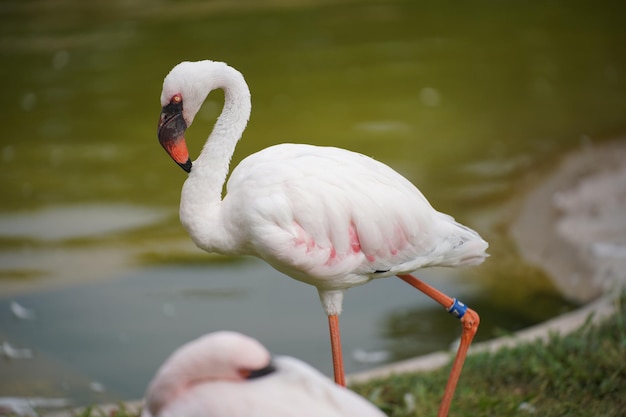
(258, 373)
(186, 166)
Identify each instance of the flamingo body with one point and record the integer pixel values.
(335, 219)
(210, 377)
(326, 216)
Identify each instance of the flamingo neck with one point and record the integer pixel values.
(201, 196)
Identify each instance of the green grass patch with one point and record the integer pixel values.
(121, 411)
(581, 374)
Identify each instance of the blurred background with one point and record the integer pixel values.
(98, 280)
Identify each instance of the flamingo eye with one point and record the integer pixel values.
(176, 99)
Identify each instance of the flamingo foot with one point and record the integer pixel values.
(470, 321)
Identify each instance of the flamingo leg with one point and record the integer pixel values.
(469, 320)
(335, 344)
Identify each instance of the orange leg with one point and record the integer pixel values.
(469, 319)
(335, 344)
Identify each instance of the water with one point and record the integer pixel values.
(465, 101)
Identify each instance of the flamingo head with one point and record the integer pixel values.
(223, 355)
(184, 90)
(231, 356)
(215, 357)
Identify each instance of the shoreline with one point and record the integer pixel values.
(562, 325)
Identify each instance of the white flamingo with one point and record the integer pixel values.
(322, 215)
(227, 374)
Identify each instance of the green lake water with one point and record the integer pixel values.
(465, 99)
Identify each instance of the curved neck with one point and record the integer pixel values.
(212, 164)
(202, 192)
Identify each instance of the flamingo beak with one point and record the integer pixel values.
(171, 134)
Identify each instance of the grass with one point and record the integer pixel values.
(581, 374)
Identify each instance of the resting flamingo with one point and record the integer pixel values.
(228, 374)
(326, 216)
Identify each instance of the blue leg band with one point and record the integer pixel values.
(457, 309)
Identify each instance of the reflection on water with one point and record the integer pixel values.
(464, 101)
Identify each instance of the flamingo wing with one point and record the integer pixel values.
(321, 213)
